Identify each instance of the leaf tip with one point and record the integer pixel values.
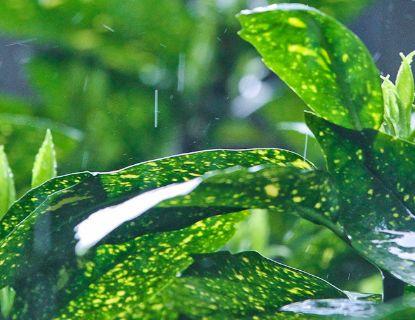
(45, 165)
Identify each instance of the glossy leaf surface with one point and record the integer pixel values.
(320, 59)
(342, 309)
(38, 232)
(332, 309)
(34, 198)
(227, 286)
(125, 279)
(375, 174)
(292, 188)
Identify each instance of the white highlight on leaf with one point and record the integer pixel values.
(102, 222)
(282, 6)
(404, 240)
(332, 307)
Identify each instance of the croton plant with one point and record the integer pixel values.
(142, 242)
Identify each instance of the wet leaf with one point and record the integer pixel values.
(39, 243)
(125, 279)
(320, 59)
(226, 286)
(34, 198)
(7, 191)
(342, 309)
(305, 192)
(399, 309)
(332, 309)
(375, 174)
(44, 167)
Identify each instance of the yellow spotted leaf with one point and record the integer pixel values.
(41, 232)
(320, 59)
(376, 178)
(226, 286)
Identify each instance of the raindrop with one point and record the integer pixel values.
(20, 43)
(108, 28)
(181, 72)
(156, 107)
(305, 146)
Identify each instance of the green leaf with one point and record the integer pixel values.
(320, 59)
(126, 278)
(375, 174)
(342, 309)
(7, 191)
(226, 286)
(39, 239)
(396, 122)
(399, 309)
(405, 82)
(21, 133)
(334, 309)
(305, 192)
(44, 167)
(398, 100)
(34, 198)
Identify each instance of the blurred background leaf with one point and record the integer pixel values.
(7, 189)
(44, 167)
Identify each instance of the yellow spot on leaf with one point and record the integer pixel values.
(301, 164)
(112, 300)
(345, 57)
(297, 199)
(301, 50)
(128, 176)
(295, 22)
(272, 190)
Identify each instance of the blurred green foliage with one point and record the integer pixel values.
(96, 65)
(93, 72)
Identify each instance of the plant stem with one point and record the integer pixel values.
(392, 287)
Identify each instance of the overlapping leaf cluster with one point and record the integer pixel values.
(141, 242)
